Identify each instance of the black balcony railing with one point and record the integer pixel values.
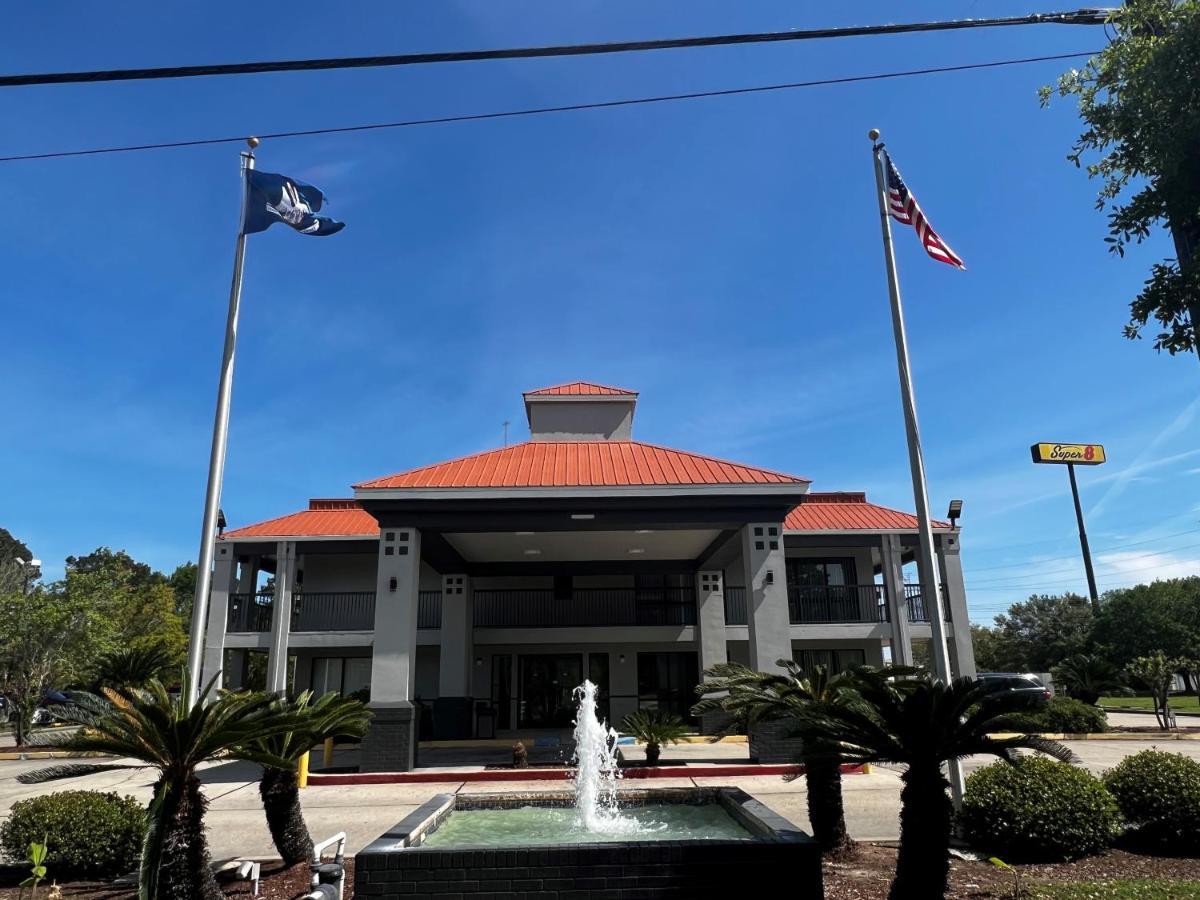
(735, 606)
(837, 603)
(429, 609)
(333, 611)
(536, 608)
(917, 611)
(250, 612)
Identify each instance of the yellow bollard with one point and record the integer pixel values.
(328, 753)
(302, 773)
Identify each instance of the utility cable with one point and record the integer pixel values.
(542, 110)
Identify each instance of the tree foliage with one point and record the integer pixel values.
(1137, 621)
(1157, 673)
(1034, 635)
(1139, 100)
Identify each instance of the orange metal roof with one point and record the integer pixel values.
(322, 518)
(580, 464)
(580, 389)
(847, 511)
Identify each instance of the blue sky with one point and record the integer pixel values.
(722, 256)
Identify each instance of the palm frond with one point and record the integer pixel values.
(69, 770)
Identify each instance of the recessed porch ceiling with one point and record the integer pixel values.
(581, 546)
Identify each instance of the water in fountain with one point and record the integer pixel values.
(597, 770)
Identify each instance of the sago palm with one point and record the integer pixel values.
(330, 716)
(1088, 677)
(130, 667)
(655, 729)
(173, 736)
(921, 723)
(748, 697)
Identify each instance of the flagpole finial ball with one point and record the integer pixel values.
(253, 142)
(873, 134)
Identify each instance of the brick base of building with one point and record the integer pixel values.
(391, 743)
(770, 743)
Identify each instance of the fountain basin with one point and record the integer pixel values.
(717, 840)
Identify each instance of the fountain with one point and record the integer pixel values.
(695, 840)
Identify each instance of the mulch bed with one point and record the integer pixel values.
(279, 883)
(867, 875)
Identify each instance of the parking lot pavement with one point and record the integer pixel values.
(236, 827)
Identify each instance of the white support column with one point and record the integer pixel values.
(710, 618)
(391, 743)
(281, 616)
(453, 711)
(955, 596)
(224, 571)
(766, 595)
(893, 580)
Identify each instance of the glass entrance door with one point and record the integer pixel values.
(545, 690)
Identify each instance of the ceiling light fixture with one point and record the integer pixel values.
(637, 549)
(644, 531)
(523, 533)
(583, 516)
(532, 552)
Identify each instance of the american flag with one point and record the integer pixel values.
(903, 207)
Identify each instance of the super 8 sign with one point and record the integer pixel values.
(1062, 454)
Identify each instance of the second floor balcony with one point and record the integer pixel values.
(833, 604)
(582, 607)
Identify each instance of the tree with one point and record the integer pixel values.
(654, 729)
(331, 716)
(15, 572)
(1037, 634)
(920, 722)
(1157, 672)
(39, 648)
(183, 585)
(748, 696)
(174, 736)
(995, 651)
(131, 667)
(1137, 621)
(1139, 100)
(127, 602)
(1088, 677)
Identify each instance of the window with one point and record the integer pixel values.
(343, 675)
(667, 682)
(818, 572)
(834, 661)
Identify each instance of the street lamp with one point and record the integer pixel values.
(954, 513)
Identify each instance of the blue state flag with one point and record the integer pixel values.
(272, 198)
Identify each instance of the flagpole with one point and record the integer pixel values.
(216, 460)
(916, 460)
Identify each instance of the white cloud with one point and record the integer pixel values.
(1129, 567)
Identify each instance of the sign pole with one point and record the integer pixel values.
(931, 591)
(1083, 542)
(1071, 455)
(216, 460)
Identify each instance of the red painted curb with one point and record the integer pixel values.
(317, 779)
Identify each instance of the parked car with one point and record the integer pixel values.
(42, 715)
(1016, 682)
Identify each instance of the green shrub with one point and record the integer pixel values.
(1060, 714)
(90, 834)
(1038, 810)
(1159, 795)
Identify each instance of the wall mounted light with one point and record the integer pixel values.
(391, 584)
(770, 577)
(479, 660)
(621, 658)
(954, 512)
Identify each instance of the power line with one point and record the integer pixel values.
(1075, 556)
(574, 107)
(1060, 578)
(1075, 17)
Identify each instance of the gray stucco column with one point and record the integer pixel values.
(224, 572)
(453, 717)
(955, 597)
(893, 581)
(766, 595)
(248, 576)
(281, 616)
(390, 745)
(710, 628)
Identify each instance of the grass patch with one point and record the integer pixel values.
(1132, 889)
(1187, 703)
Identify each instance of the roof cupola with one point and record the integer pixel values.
(580, 411)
